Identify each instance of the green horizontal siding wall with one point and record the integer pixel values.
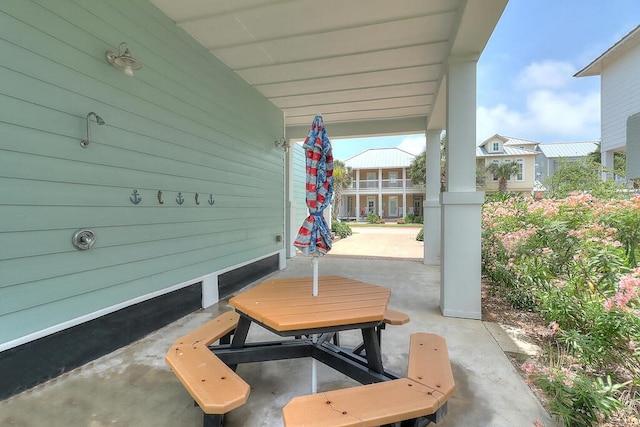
(184, 124)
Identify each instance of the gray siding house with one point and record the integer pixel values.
(619, 100)
(549, 156)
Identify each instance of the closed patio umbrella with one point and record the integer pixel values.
(314, 237)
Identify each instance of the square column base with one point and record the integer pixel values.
(432, 233)
(460, 274)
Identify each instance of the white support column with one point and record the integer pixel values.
(431, 208)
(291, 228)
(357, 172)
(380, 209)
(461, 204)
(606, 160)
(404, 193)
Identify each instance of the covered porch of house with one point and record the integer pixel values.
(167, 167)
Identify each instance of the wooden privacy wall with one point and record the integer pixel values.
(184, 124)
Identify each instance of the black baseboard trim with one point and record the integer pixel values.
(38, 361)
(234, 280)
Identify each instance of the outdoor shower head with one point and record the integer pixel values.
(99, 121)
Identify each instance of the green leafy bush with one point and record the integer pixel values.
(413, 219)
(373, 218)
(420, 236)
(341, 229)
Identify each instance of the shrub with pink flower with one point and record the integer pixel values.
(574, 261)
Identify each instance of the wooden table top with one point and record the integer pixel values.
(288, 304)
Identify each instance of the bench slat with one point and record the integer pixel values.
(429, 363)
(211, 331)
(212, 384)
(367, 405)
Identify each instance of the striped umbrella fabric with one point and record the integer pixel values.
(314, 237)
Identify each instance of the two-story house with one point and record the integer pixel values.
(380, 185)
(500, 149)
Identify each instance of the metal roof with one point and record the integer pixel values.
(568, 149)
(381, 158)
(507, 151)
(519, 141)
(595, 67)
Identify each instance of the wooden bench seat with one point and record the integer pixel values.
(429, 363)
(426, 390)
(211, 331)
(213, 385)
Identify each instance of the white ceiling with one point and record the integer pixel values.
(369, 66)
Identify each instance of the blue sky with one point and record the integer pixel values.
(526, 86)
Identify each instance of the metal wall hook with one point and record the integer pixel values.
(135, 197)
(197, 201)
(211, 200)
(180, 199)
(160, 197)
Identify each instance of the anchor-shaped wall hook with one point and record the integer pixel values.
(160, 197)
(197, 201)
(135, 197)
(180, 199)
(211, 200)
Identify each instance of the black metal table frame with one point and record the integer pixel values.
(365, 369)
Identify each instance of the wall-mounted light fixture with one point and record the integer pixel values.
(282, 143)
(99, 121)
(123, 60)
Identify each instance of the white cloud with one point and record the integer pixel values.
(415, 144)
(552, 110)
(546, 74)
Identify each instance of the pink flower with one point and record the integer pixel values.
(608, 304)
(537, 423)
(632, 345)
(529, 368)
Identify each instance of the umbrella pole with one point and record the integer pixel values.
(314, 370)
(314, 367)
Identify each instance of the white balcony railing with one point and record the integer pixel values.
(369, 185)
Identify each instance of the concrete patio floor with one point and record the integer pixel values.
(134, 387)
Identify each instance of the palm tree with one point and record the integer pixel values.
(341, 179)
(503, 171)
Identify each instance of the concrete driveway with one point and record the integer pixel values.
(384, 242)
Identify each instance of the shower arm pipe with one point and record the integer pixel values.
(85, 142)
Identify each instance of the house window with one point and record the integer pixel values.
(495, 147)
(520, 172)
(393, 177)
